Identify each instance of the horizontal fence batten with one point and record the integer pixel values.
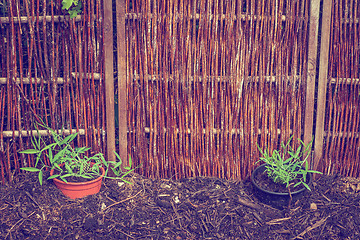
(350, 20)
(218, 78)
(204, 131)
(32, 80)
(135, 16)
(58, 80)
(56, 18)
(341, 134)
(345, 80)
(97, 76)
(36, 133)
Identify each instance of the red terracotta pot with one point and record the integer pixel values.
(79, 189)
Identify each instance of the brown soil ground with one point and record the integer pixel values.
(197, 208)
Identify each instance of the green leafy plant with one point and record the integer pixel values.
(71, 161)
(74, 7)
(287, 165)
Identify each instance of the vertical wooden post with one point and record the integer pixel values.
(121, 65)
(311, 66)
(323, 79)
(109, 80)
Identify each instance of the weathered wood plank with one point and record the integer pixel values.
(311, 70)
(109, 80)
(323, 79)
(121, 68)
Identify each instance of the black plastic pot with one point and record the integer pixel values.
(276, 199)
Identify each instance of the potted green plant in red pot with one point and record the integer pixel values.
(73, 172)
(284, 176)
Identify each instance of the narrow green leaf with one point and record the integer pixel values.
(106, 163)
(68, 168)
(68, 175)
(68, 139)
(117, 156)
(38, 158)
(59, 155)
(313, 171)
(81, 170)
(130, 161)
(260, 150)
(63, 178)
(30, 169)
(298, 151)
(128, 172)
(126, 181)
(48, 147)
(288, 160)
(53, 176)
(35, 143)
(117, 165)
(307, 186)
(57, 166)
(50, 154)
(116, 172)
(30, 151)
(82, 149)
(40, 177)
(86, 176)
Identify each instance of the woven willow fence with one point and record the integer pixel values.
(195, 84)
(339, 91)
(210, 79)
(51, 71)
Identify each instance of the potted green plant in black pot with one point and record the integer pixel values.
(284, 176)
(73, 172)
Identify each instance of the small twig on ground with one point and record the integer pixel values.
(326, 198)
(277, 221)
(29, 195)
(124, 233)
(255, 206)
(110, 198)
(103, 210)
(21, 220)
(176, 212)
(249, 204)
(308, 229)
(195, 206)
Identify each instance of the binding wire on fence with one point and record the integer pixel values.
(208, 80)
(51, 72)
(342, 122)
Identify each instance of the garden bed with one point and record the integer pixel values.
(196, 208)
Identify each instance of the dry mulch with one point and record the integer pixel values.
(196, 208)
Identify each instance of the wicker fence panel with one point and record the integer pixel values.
(341, 144)
(207, 80)
(51, 72)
